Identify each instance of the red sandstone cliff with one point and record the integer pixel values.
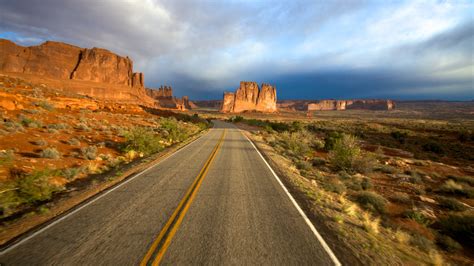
(324, 105)
(94, 72)
(249, 97)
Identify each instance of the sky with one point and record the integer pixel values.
(310, 49)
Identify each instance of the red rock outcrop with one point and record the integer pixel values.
(249, 97)
(266, 101)
(164, 98)
(94, 72)
(325, 105)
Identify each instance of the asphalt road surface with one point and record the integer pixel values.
(213, 202)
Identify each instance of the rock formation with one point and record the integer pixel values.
(325, 105)
(249, 97)
(164, 98)
(94, 72)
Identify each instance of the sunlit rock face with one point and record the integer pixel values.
(249, 97)
(94, 72)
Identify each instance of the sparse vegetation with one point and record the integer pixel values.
(50, 153)
(372, 201)
(142, 139)
(451, 204)
(89, 152)
(45, 105)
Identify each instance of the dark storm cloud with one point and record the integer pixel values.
(312, 48)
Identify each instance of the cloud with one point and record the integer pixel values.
(204, 47)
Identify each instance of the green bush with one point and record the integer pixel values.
(451, 204)
(295, 142)
(303, 165)
(50, 153)
(143, 140)
(372, 201)
(459, 227)
(29, 122)
(330, 140)
(422, 242)
(36, 186)
(58, 126)
(346, 155)
(172, 129)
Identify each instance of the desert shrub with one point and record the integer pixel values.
(432, 146)
(317, 161)
(402, 237)
(417, 216)
(45, 105)
(9, 198)
(53, 131)
(143, 140)
(387, 169)
(400, 197)
(399, 136)
(447, 243)
(372, 201)
(463, 179)
(73, 141)
(451, 187)
(451, 204)
(346, 155)
(89, 153)
(50, 153)
(330, 140)
(343, 175)
(459, 227)
(334, 185)
(366, 184)
(172, 129)
(40, 142)
(13, 127)
(303, 165)
(83, 127)
(6, 157)
(58, 126)
(29, 122)
(70, 173)
(294, 142)
(36, 186)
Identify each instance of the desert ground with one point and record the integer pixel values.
(394, 185)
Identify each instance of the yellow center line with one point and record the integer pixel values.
(172, 225)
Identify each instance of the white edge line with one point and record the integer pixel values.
(308, 222)
(23, 240)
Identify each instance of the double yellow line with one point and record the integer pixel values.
(161, 243)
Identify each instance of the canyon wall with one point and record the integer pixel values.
(249, 97)
(325, 105)
(94, 72)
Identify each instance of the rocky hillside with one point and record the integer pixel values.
(249, 97)
(94, 72)
(327, 105)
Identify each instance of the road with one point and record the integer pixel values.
(213, 202)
